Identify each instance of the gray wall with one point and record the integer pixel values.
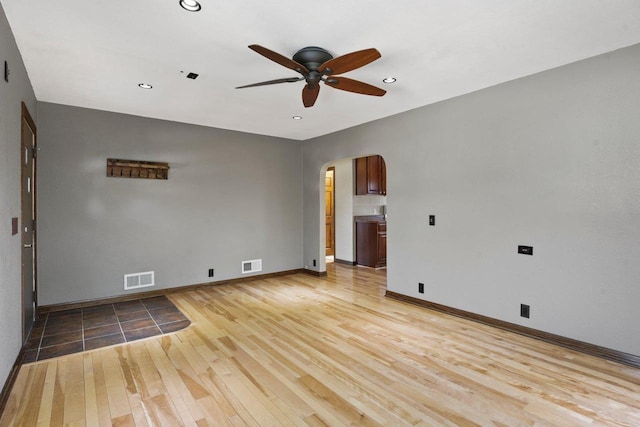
(230, 197)
(552, 161)
(11, 95)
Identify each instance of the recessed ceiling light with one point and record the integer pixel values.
(190, 5)
(389, 80)
(145, 85)
(297, 117)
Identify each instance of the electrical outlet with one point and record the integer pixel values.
(211, 272)
(432, 220)
(524, 310)
(525, 250)
(314, 262)
(421, 288)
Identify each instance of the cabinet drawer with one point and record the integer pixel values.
(382, 227)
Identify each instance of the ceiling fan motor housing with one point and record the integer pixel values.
(312, 57)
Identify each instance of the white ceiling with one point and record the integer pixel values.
(94, 53)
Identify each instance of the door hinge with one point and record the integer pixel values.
(33, 225)
(34, 151)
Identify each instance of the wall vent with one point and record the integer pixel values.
(139, 280)
(251, 266)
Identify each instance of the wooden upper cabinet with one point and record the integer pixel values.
(371, 176)
(375, 182)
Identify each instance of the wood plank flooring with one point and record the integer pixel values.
(307, 351)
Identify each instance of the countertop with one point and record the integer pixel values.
(370, 218)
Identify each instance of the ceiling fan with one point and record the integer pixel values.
(317, 65)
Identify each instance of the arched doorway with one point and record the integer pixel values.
(349, 206)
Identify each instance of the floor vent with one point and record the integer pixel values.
(251, 266)
(138, 280)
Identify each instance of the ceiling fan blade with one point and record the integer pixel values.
(310, 94)
(280, 59)
(355, 86)
(349, 62)
(273, 82)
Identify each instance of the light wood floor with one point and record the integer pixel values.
(306, 351)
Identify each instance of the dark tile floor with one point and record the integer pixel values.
(71, 331)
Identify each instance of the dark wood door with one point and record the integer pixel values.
(330, 219)
(28, 214)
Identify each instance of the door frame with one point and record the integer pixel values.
(332, 238)
(27, 120)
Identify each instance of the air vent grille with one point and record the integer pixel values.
(139, 280)
(251, 266)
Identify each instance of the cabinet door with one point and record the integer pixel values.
(361, 176)
(383, 177)
(382, 250)
(371, 175)
(366, 243)
(374, 178)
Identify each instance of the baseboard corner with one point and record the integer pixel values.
(315, 273)
(344, 262)
(11, 379)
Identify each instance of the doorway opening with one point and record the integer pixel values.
(345, 205)
(330, 220)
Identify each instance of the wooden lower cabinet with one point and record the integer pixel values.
(371, 243)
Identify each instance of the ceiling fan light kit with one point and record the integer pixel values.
(316, 65)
